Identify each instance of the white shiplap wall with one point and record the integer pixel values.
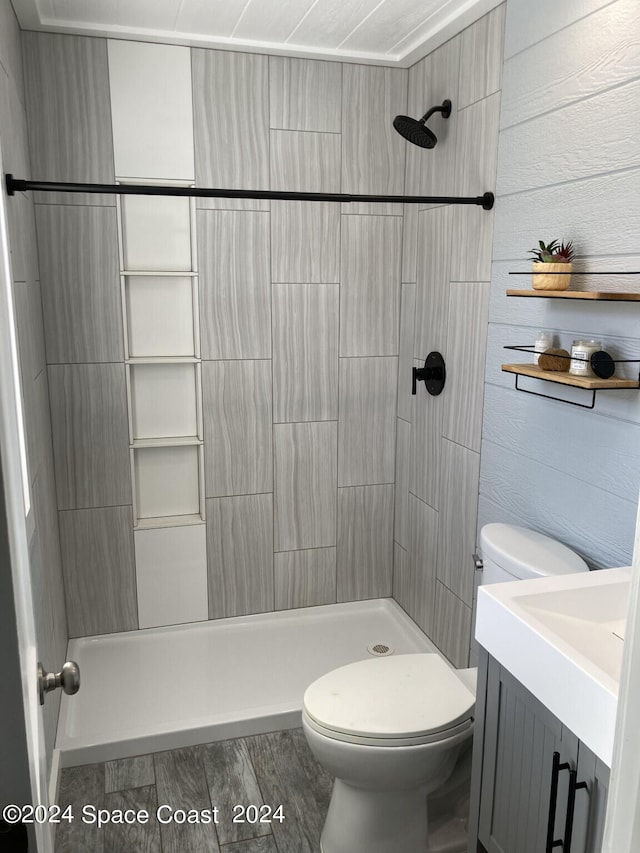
(568, 168)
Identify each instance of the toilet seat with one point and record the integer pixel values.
(402, 700)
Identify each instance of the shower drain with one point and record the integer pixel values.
(380, 650)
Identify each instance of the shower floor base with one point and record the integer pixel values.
(164, 688)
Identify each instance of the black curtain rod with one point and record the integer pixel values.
(15, 185)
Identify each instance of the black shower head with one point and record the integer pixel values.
(415, 130)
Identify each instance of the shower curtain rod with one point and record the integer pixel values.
(15, 185)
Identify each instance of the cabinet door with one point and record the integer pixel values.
(520, 738)
(590, 803)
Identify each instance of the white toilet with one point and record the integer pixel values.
(389, 729)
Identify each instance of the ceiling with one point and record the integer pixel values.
(384, 32)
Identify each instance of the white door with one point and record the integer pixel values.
(25, 753)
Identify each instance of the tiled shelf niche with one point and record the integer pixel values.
(160, 311)
(164, 400)
(159, 280)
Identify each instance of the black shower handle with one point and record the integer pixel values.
(433, 374)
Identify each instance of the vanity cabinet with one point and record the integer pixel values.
(525, 766)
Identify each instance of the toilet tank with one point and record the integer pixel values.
(515, 553)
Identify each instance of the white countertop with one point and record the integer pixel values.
(561, 637)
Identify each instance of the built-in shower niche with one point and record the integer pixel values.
(160, 313)
(166, 447)
(167, 484)
(157, 232)
(164, 401)
(159, 281)
(167, 442)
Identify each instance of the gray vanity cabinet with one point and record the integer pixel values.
(517, 783)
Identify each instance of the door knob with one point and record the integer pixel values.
(68, 678)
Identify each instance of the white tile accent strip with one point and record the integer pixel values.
(151, 110)
(171, 575)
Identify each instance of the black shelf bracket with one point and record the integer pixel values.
(558, 399)
(601, 363)
(580, 272)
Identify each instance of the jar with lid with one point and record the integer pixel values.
(544, 341)
(581, 352)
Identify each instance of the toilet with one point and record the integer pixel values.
(390, 729)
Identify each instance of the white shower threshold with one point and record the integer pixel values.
(165, 688)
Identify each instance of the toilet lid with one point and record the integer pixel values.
(394, 697)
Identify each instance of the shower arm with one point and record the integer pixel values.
(14, 185)
(444, 108)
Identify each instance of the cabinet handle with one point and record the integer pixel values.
(553, 798)
(574, 786)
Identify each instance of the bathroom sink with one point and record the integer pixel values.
(590, 620)
(562, 637)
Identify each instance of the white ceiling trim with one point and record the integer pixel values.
(439, 28)
(443, 28)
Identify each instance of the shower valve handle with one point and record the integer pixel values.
(433, 374)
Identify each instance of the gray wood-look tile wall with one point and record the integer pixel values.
(367, 422)
(236, 402)
(405, 357)
(447, 253)
(231, 119)
(235, 298)
(78, 248)
(456, 519)
(370, 285)
(365, 542)
(305, 242)
(432, 80)
(305, 578)
(99, 570)
(373, 154)
(305, 352)
(240, 555)
(69, 113)
(90, 435)
(305, 162)
(305, 94)
(414, 582)
(305, 475)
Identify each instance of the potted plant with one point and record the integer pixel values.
(548, 261)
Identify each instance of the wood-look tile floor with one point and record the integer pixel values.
(267, 770)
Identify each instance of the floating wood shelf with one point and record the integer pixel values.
(590, 383)
(593, 295)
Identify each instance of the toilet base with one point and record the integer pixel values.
(360, 821)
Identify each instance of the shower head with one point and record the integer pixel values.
(415, 130)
